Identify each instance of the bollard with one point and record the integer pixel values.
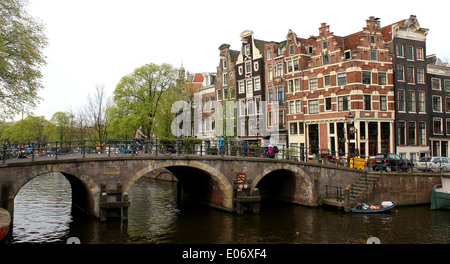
(125, 199)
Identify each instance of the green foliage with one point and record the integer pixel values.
(63, 128)
(191, 141)
(32, 129)
(137, 98)
(22, 41)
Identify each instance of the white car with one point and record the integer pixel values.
(436, 164)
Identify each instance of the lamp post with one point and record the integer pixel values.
(349, 120)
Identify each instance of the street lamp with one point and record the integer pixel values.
(349, 119)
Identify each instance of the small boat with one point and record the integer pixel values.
(373, 208)
(440, 194)
(5, 221)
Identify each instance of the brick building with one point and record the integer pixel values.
(225, 84)
(275, 89)
(345, 102)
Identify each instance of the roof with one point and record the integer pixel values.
(386, 31)
(198, 78)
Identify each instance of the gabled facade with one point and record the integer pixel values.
(207, 93)
(275, 89)
(225, 85)
(347, 92)
(250, 89)
(297, 55)
(438, 80)
(407, 43)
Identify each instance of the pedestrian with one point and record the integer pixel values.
(245, 148)
(221, 145)
(139, 136)
(270, 152)
(275, 151)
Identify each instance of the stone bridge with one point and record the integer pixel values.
(100, 182)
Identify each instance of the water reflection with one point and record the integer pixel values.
(43, 215)
(42, 210)
(153, 212)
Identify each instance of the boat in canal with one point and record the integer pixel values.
(380, 207)
(5, 221)
(440, 193)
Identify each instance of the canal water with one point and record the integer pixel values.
(42, 214)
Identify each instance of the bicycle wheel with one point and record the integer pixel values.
(136, 150)
(165, 150)
(120, 150)
(181, 151)
(14, 154)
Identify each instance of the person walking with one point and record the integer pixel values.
(221, 145)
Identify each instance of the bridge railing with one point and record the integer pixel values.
(156, 146)
(179, 147)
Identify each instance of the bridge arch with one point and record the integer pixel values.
(221, 188)
(85, 192)
(286, 183)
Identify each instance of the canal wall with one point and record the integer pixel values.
(403, 188)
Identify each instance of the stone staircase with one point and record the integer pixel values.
(354, 193)
(359, 189)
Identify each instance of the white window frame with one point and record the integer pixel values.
(433, 104)
(437, 119)
(241, 87)
(433, 80)
(313, 104)
(257, 84)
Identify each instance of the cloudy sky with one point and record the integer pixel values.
(95, 42)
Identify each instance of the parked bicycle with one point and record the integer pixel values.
(9, 154)
(178, 148)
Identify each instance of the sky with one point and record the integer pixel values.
(97, 42)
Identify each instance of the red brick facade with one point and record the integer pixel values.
(330, 77)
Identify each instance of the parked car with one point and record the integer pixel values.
(435, 164)
(391, 162)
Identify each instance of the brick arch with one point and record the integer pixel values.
(301, 187)
(217, 176)
(78, 181)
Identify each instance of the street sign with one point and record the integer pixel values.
(241, 178)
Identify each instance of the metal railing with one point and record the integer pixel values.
(179, 147)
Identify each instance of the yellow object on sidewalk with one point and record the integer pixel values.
(357, 163)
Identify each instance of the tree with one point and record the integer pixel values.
(62, 127)
(94, 113)
(22, 41)
(138, 96)
(164, 114)
(32, 130)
